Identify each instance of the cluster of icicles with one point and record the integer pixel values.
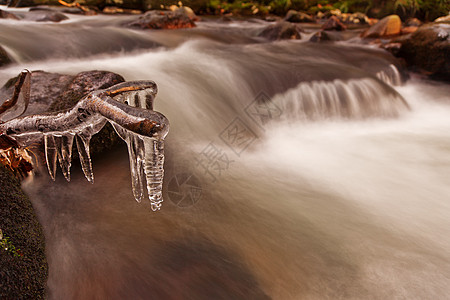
(128, 107)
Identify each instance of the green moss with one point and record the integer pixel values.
(22, 276)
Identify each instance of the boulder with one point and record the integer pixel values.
(281, 31)
(4, 58)
(44, 16)
(24, 269)
(158, 19)
(428, 50)
(294, 16)
(333, 23)
(386, 27)
(8, 15)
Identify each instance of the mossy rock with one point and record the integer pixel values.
(24, 272)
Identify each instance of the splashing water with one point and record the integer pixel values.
(335, 203)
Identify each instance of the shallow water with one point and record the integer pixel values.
(298, 202)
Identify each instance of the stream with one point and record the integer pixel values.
(293, 170)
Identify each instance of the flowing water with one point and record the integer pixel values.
(293, 170)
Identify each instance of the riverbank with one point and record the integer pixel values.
(425, 11)
(24, 269)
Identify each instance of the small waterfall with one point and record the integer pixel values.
(349, 99)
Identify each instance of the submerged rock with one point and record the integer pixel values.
(44, 16)
(428, 50)
(8, 15)
(24, 269)
(157, 19)
(281, 31)
(386, 27)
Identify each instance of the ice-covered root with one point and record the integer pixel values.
(128, 107)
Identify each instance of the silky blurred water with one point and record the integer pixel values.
(334, 207)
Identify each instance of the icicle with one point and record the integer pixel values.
(84, 155)
(83, 139)
(63, 145)
(50, 154)
(154, 171)
(136, 156)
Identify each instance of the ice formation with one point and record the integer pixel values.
(128, 107)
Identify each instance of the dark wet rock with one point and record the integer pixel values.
(45, 89)
(45, 16)
(281, 31)
(394, 48)
(333, 23)
(322, 36)
(428, 50)
(386, 27)
(4, 58)
(24, 272)
(8, 15)
(294, 16)
(158, 19)
(83, 83)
